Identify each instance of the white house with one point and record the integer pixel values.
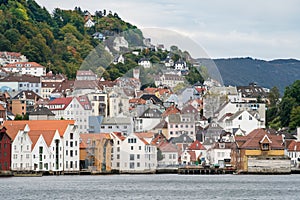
(89, 23)
(170, 80)
(293, 151)
(180, 65)
(21, 158)
(148, 120)
(18, 83)
(145, 62)
(244, 120)
(55, 147)
(117, 124)
(11, 57)
(135, 155)
(72, 108)
(29, 68)
(169, 154)
(41, 154)
(220, 154)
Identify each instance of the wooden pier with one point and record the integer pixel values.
(199, 170)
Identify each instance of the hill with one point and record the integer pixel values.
(59, 40)
(242, 71)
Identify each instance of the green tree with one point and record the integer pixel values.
(295, 118)
(274, 96)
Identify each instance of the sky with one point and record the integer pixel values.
(267, 29)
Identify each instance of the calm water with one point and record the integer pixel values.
(152, 187)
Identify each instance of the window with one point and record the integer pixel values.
(131, 147)
(131, 165)
(138, 156)
(71, 136)
(140, 147)
(66, 152)
(131, 156)
(265, 146)
(240, 117)
(66, 143)
(138, 164)
(250, 118)
(71, 144)
(71, 153)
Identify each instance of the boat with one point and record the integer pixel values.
(27, 174)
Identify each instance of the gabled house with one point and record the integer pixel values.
(62, 140)
(219, 155)
(95, 152)
(179, 124)
(293, 150)
(244, 120)
(182, 142)
(136, 155)
(260, 152)
(181, 65)
(72, 108)
(199, 149)
(23, 103)
(145, 62)
(5, 150)
(148, 120)
(20, 147)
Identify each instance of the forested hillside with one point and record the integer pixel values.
(57, 40)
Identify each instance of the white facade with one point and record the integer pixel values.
(145, 63)
(135, 155)
(75, 111)
(145, 124)
(216, 156)
(118, 104)
(71, 149)
(21, 151)
(243, 120)
(29, 68)
(41, 155)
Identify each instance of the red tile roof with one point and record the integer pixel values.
(137, 101)
(254, 139)
(42, 125)
(24, 64)
(13, 129)
(196, 146)
(168, 147)
(294, 146)
(84, 102)
(60, 101)
(171, 110)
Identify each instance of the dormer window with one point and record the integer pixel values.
(265, 147)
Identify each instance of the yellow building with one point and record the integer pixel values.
(260, 152)
(95, 152)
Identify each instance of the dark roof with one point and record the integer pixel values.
(21, 78)
(151, 113)
(252, 91)
(184, 138)
(27, 94)
(42, 111)
(151, 97)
